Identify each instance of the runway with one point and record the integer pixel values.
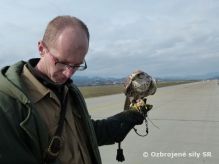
(187, 120)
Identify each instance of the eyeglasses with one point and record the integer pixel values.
(61, 65)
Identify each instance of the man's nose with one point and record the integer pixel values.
(69, 72)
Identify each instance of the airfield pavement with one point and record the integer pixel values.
(187, 120)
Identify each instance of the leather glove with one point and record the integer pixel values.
(123, 122)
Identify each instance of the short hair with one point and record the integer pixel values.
(58, 24)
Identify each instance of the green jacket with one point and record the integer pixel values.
(23, 135)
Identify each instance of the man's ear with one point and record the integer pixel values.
(41, 48)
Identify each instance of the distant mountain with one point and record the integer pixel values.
(207, 76)
(213, 75)
(90, 81)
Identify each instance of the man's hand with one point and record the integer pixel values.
(124, 122)
(115, 128)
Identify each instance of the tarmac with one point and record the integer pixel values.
(183, 126)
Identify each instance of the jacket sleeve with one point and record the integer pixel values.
(115, 128)
(13, 148)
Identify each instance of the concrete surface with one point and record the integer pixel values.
(187, 117)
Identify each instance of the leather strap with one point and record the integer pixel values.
(56, 141)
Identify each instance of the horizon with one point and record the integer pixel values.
(211, 75)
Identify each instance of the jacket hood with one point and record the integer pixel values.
(11, 83)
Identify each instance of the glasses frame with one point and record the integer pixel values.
(68, 66)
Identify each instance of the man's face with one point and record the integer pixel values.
(68, 50)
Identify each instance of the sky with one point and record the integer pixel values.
(161, 37)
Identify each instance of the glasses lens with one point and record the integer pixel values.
(82, 66)
(62, 66)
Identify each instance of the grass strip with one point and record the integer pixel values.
(103, 90)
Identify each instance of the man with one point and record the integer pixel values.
(43, 117)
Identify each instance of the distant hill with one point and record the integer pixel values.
(207, 76)
(91, 81)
